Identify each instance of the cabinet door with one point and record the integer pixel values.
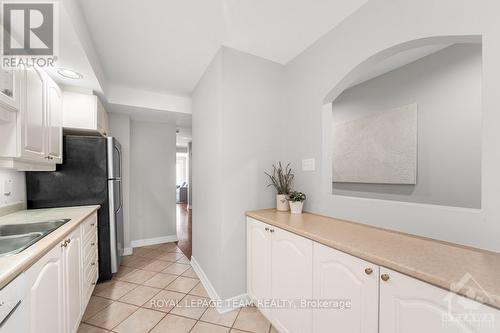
(350, 285)
(33, 122)
(10, 89)
(412, 306)
(79, 111)
(258, 262)
(102, 118)
(54, 121)
(291, 277)
(73, 272)
(45, 297)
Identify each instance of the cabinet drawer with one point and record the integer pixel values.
(89, 226)
(89, 246)
(90, 235)
(89, 266)
(88, 287)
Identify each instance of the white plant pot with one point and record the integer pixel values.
(282, 203)
(296, 207)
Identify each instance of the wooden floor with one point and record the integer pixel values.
(184, 229)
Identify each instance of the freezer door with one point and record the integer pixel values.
(116, 223)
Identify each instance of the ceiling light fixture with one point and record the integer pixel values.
(69, 74)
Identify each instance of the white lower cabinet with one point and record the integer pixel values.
(57, 295)
(259, 263)
(348, 287)
(291, 276)
(376, 299)
(46, 294)
(280, 275)
(72, 260)
(412, 306)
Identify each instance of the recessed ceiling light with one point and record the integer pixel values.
(69, 74)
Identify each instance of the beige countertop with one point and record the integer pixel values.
(439, 263)
(13, 265)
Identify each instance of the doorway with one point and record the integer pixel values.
(183, 213)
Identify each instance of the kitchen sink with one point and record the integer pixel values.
(14, 238)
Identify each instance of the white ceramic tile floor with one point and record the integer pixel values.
(150, 294)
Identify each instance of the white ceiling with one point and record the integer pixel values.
(72, 56)
(165, 45)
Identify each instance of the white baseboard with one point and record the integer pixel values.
(222, 306)
(153, 241)
(127, 251)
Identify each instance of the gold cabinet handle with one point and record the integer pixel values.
(266, 229)
(92, 244)
(68, 240)
(384, 277)
(65, 243)
(272, 230)
(368, 271)
(93, 263)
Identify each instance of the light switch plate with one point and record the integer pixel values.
(308, 164)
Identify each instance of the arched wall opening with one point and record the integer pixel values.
(363, 206)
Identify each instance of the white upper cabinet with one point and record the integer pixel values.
(33, 119)
(291, 276)
(54, 121)
(84, 112)
(10, 89)
(31, 137)
(412, 306)
(352, 282)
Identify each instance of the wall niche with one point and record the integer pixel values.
(407, 126)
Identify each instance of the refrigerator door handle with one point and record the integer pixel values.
(121, 197)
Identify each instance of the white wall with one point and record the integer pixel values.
(119, 127)
(18, 193)
(377, 26)
(152, 180)
(207, 174)
(447, 88)
(237, 134)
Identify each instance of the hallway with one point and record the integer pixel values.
(183, 218)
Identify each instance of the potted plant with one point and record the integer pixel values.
(281, 179)
(297, 202)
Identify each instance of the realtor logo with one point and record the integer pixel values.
(29, 31)
(467, 311)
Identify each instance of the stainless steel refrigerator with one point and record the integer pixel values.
(115, 194)
(91, 174)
